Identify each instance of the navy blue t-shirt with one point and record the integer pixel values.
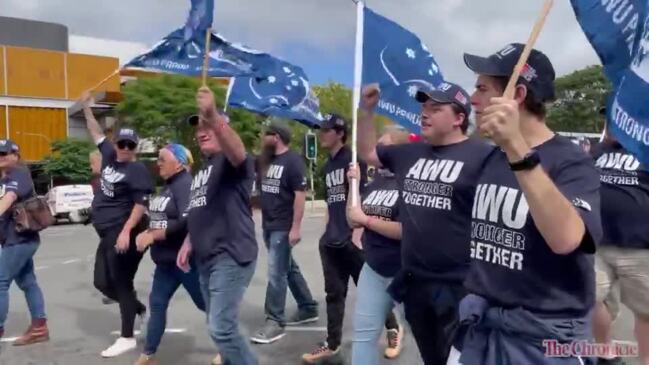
(513, 266)
(166, 212)
(122, 185)
(437, 185)
(285, 175)
(625, 197)
(338, 233)
(381, 201)
(20, 182)
(219, 216)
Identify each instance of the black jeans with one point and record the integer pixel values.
(114, 274)
(338, 265)
(431, 309)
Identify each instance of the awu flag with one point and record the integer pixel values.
(284, 93)
(611, 26)
(182, 51)
(400, 63)
(628, 109)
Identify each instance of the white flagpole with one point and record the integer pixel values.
(358, 76)
(227, 94)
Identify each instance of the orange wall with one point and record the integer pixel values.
(35, 73)
(3, 121)
(2, 71)
(34, 128)
(85, 72)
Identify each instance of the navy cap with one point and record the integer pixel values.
(127, 134)
(446, 93)
(538, 74)
(334, 121)
(8, 146)
(280, 129)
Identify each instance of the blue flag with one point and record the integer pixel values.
(182, 51)
(400, 63)
(284, 93)
(624, 57)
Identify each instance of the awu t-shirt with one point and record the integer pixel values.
(513, 266)
(166, 212)
(284, 176)
(381, 201)
(18, 181)
(625, 197)
(122, 185)
(338, 233)
(219, 216)
(437, 185)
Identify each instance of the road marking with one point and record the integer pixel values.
(168, 330)
(8, 339)
(305, 329)
(39, 268)
(71, 261)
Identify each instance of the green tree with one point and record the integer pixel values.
(580, 95)
(68, 163)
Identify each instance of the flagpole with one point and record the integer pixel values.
(358, 73)
(206, 59)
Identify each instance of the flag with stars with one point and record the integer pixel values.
(285, 93)
(182, 51)
(400, 63)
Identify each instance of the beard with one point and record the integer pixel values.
(266, 156)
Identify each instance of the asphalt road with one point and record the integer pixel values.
(81, 326)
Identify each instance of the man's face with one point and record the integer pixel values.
(8, 159)
(329, 137)
(438, 120)
(270, 140)
(125, 150)
(486, 87)
(206, 139)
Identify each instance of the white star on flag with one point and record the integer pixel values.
(273, 101)
(288, 88)
(272, 79)
(434, 68)
(294, 83)
(287, 70)
(411, 53)
(412, 90)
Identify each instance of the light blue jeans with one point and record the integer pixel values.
(16, 264)
(373, 304)
(223, 284)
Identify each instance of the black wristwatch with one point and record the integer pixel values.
(530, 161)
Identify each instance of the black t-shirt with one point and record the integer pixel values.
(20, 182)
(220, 217)
(437, 185)
(123, 184)
(338, 233)
(285, 175)
(166, 212)
(513, 266)
(625, 197)
(381, 201)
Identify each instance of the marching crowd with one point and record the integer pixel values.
(492, 249)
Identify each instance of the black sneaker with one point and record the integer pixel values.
(270, 333)
(613, 361)
(302, 317)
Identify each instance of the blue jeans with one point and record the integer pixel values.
(16, 263)
(284, 272)
(373, 305)
(166, 281)
(224, 283)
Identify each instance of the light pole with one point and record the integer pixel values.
(49, 143)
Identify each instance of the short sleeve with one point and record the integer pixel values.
(107, 150)
(140, 183)
(20, 183)
(297, 175)
(578, 180)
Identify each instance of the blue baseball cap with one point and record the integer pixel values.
(127, 134)
(538, 74)
(446, 93)
(8, 146)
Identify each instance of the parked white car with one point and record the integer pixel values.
(69, 201)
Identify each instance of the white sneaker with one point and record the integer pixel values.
(121, 346)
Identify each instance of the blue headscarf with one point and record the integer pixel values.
(181, 153)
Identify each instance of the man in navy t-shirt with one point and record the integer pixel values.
(283, 195)
(535, 224)
(623, 257)
(437, 182)
(221, 229)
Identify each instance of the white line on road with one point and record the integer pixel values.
(71, 261)
(39, 268)
(305, 329)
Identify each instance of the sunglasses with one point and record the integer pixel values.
(122, 145)
(4, 154)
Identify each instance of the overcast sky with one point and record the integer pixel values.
(319, 34)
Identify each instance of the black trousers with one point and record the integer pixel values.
(431, 309)
(338, 265)
(114, 274)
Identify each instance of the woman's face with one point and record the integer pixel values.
(168, 166)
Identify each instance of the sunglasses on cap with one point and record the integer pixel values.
(129, 145)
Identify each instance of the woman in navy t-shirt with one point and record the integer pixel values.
(378, 214)
(18, 248)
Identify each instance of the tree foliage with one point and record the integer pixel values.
(580, 95)
(68, 163)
